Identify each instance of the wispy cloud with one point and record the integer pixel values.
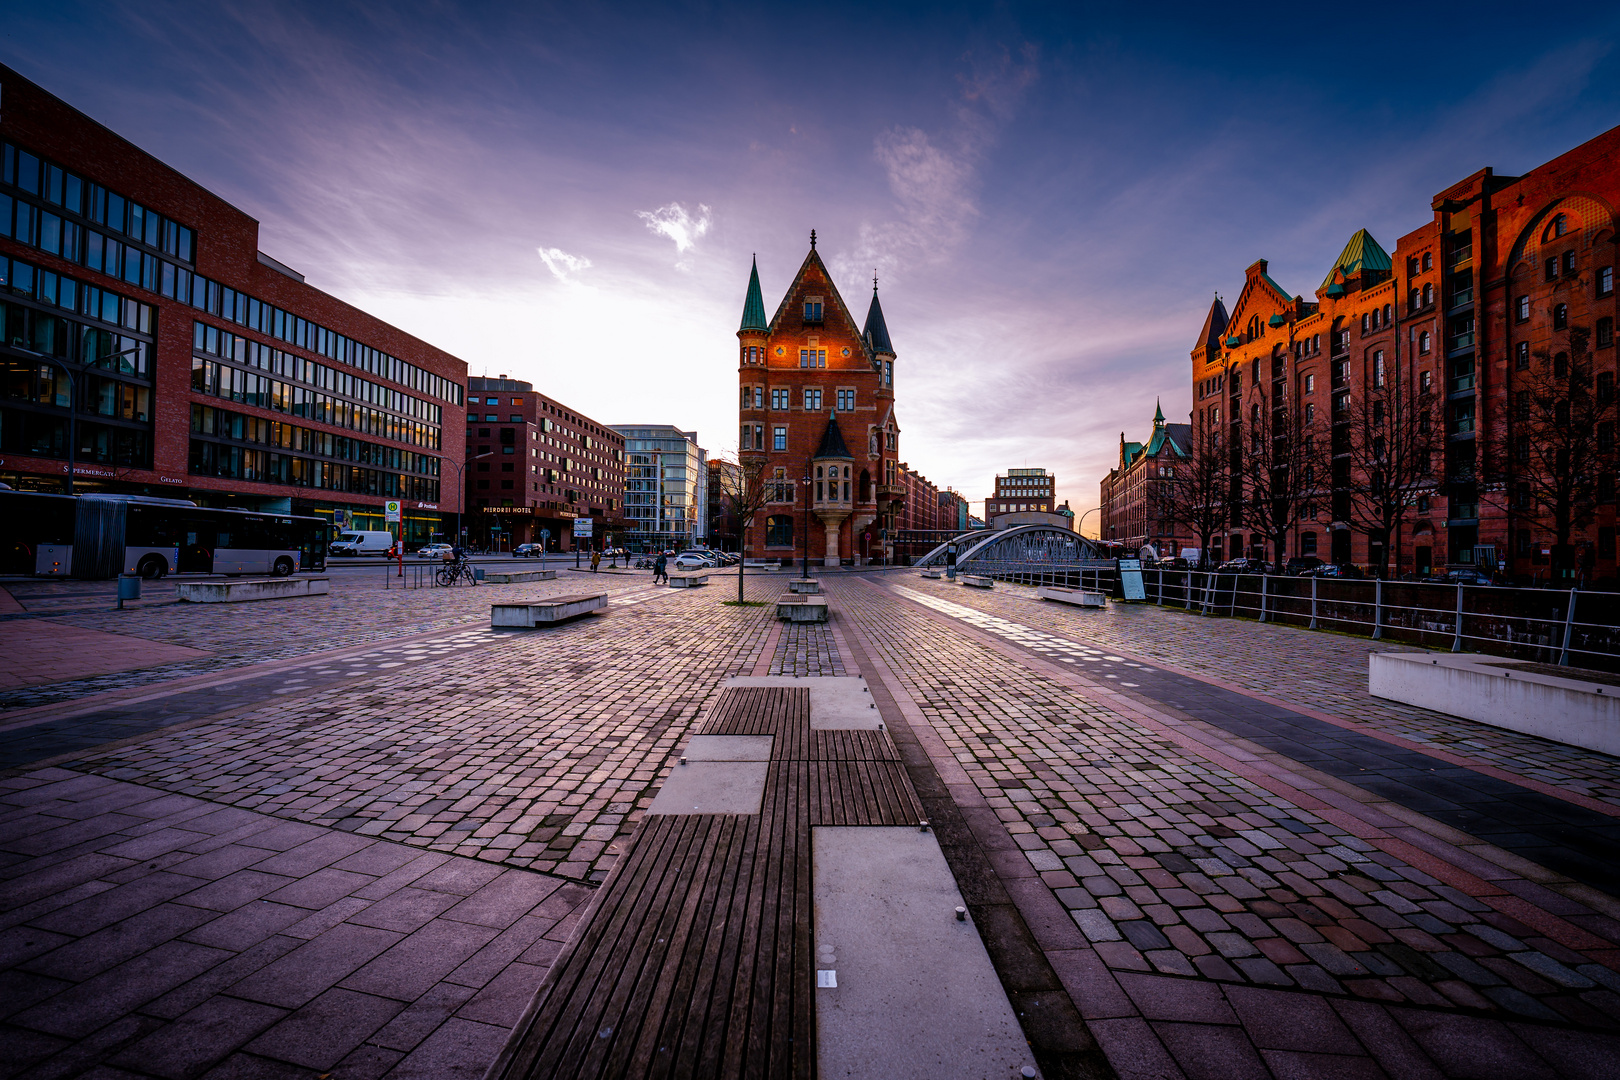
(679, 224)
(563, 265)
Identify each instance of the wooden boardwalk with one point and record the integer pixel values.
(695, 959)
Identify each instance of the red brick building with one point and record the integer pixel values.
(1129, 491)
(1020, 491)
(196, 365)
(816, 405)
(533, 464)
(1510, 275)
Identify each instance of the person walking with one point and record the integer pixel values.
(596, 560)
(660, 569)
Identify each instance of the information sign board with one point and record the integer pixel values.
(391, 512)
(1130, 579)
(582, 527)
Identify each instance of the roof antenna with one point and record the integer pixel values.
(812, 239)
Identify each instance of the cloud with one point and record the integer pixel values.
(563, 265)
(677, 223)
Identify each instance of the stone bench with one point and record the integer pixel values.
(1567, 705)
(687, 581)
(802, 609)
(804, 585)
(933, 574)
(553, 609)
(237, 590)
(514, 577)
(1077, 597)
(978, 582)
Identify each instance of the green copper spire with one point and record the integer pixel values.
(1158, 413)
(753, 307)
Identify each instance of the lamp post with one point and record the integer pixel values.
(73, 401)
(804, 567)
(461, 468)
(1077, 524)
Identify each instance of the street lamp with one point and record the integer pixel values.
(804, 570)
(461, 467)
(1077, 524)
(73, 401)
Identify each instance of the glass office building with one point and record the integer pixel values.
(666, 480)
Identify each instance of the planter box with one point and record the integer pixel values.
(805, 609)
(235, 591)
(978, 582)
(513, 577)
(1077, 597)
(1503, 693)
(934, 574)
(804, 585)
(688, 581)
(544, 612)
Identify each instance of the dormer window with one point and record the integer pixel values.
(812, 309)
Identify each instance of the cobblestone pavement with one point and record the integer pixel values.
(1173, 862)
(1318, 670)
(806, 649)
(534, 749)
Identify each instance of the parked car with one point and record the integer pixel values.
(527, 551)
(710, 559)
(1244, 566)
(1173, 563)
(1301, 564)
(1463, 575)
(433, 551)
(362, 542)
(1344, 571)
(691, 560)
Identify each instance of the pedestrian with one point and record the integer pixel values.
(596, 560)
(660, 569)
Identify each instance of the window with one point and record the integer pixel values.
(1560, 316)
(1378, 368)
(1569, 263)
(846, 401)
(1428, 261)
(1521, 449)
(1365, 323)
(812, 399)
(1426, 381)
(1605, 332)
(812, 309)
(1388, 314)
(759, 397)
(1310, 384)
(1428, 293)
(809, 358)
(779, 530)
(1605, 281)
(1521, 309)
(747, 397)
(1560, 225)
(1521, 356)
(1551, 272)
(1423, 343)
(779, 399)
(1521, 405)
(1310, 412)
(1561, 366)
(779, 438)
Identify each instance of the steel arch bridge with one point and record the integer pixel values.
(1017, 549)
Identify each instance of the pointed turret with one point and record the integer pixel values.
(753, 316)
(1214, 326)
(1158, 414)
(876, 331)
(832, 442)
(1362, 257)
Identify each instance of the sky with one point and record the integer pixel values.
(1050, 194)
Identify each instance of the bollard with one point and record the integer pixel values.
(129, 588)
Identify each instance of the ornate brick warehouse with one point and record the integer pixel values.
(817, 405)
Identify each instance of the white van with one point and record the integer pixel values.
(361, 543)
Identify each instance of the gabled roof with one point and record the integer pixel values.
(837, 302)
(1177, 436)
(832, 441)
(754, 305)
(1130, 452)
(1214, 325)
(876, 331)
(1361, 253)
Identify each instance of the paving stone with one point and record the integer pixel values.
(1277, 1020)
(326, 1030)
(1207, 1052)
(298, 977)
(200, 1038)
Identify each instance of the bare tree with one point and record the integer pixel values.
(1279, 456)
(746, 490)
(1555, 457)
(1392, 439)
(1194, 495)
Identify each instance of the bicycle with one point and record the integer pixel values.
(459, 572)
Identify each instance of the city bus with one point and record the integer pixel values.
(134, 534)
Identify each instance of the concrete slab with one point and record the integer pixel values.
(836, 703)
(911, 991)
(238, 590)
(730, 747)
(712, 787)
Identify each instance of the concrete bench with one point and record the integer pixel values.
(762, 564)
(553, 609)
(804, 585)
(978, 582)
(235, 591)
(1567, 705)
(933, 574)
(1077, 597)
(802, 609)
(687, 581)
(514, 577)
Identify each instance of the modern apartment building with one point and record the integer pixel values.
(534, 465)
(1022, 491)
(140, 315)
(666, 487)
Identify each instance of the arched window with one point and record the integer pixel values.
(1388, 313)
(1428, 294)
(1560, 316)
(1423, 342)
(1560, 224)
(779, 530)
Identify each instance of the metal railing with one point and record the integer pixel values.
(421, 575)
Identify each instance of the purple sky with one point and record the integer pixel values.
(1051, 194)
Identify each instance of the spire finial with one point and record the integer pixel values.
(812, 239)
(874, 281)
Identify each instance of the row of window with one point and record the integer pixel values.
(39, 434)
(225, 424)
(753, 397)
(72, 295)
(86, 199)
(249, 388)
(67, 339)
(38, 227)
(227, 346)
(264, 466)
(44, 384)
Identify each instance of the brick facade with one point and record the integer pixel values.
(306, 403)
(1129, 491)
